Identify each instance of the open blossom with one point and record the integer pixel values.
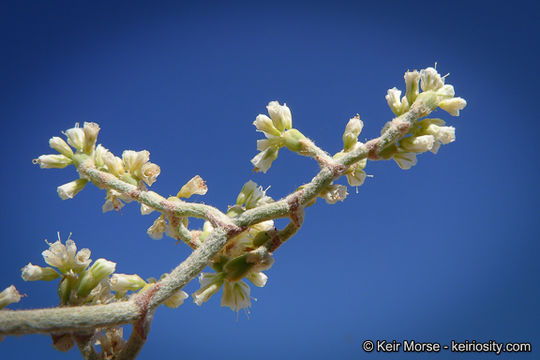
(252, 195)
(334, 193)
(194, 186)
(405, 160)
(430, 79)
(236, 295)
(65, 257)
(397, 104)
(69, 190)
(8, 296)
(176, 299)
(75, 137)
(158, 228)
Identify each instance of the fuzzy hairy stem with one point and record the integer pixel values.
(140, 308)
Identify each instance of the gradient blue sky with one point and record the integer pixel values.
(447, 250)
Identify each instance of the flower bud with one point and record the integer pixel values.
(53, 161)
(91, 131)
(121, 283)
(265, 125)
(90, 278)
(8, 296)
(34, 273)
(280, 115)
(417, 144)
(60, 145)
(69, 190)
(411, 82)
(452, 106)
(75, 137)
(352, 130)
(210, 284)
(393, 99)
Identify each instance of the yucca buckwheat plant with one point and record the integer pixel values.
(238, 244)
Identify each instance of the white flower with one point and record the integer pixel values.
(150, 172)
(210, 284)
(446, 92)
(405, 160)
(75, 137)
(258, 279)
(411, 83)
(430, 79)
(176, 299)
(65, 257)
(265, 125)
(194, 186)
(352, 130)
(121, 283)
(34, 273)
(99, 155)
(452, 106)
(417, 144)
(334, 193)
(114, 164)
(113, 201)
(443, 134)
(90, 278)
(236, 295)
(57, 161)
(8, 296)
(91, 131)
(145, 209)
(158, 228)
(263, 160)
(396, 105)
(356, 174)
(280, 115)
(134, 160)
(69, 190)
(60, 145)
(252, 195)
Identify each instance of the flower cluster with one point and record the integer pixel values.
(134, 167)
(242, 257)
(355, 173)
(428, 134)
(279, 132)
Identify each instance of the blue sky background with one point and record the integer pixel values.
(447, 250)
